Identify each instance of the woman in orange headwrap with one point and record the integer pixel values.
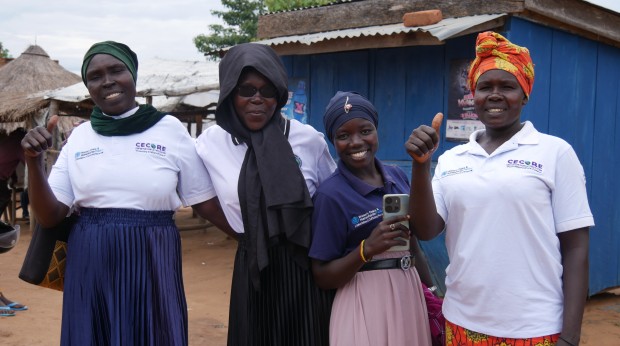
(514, 207)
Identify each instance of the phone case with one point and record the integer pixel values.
(395, 205)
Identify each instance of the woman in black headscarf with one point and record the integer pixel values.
(264, 169)
(124, 172)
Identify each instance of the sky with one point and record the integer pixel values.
(613, 5)
(65, 29)
(165, 29)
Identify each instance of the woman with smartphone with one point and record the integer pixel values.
(358, 251)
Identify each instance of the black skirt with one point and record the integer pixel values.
(288, 309)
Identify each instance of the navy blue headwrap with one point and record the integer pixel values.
(344, 106)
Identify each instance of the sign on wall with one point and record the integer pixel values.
(462, 118)
(297, 105)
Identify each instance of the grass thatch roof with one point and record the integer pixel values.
(23, 82)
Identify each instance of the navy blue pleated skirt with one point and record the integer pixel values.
(123, 281)
(288, 309)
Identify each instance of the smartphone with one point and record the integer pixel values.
(396, 205)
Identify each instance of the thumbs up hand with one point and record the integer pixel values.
(424, 140)
(51, 123)
(39, 139)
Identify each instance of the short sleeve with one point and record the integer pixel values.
(438, 194)
(570, 198)
(194, 185)
(326, 165)
(59, 179)
(328, 229)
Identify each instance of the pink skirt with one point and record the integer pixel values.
(380, 308)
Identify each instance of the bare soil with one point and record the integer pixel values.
(207, 269)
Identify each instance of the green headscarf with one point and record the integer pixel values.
(115, 49)
(143, 119)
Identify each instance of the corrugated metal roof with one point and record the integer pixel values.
(157, 77)
(445, 29)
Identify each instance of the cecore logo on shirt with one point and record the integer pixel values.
(298, 159)
(461, 170)
(151, 148)
(525, 164)
(87, 153)
(366, 217)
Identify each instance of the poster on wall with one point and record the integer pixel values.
(297, 105)
(462, 118)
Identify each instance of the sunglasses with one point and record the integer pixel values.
(266, 91)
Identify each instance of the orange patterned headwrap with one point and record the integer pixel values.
(495, 52)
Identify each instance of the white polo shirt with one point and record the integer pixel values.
(503, 212)
(157, 169)
(223, 160)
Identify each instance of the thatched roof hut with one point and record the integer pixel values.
(23, 83)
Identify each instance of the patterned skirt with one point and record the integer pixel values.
(289, 309)
(123, 280)
(459, 336)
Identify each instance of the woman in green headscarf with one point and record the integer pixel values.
(124, 173)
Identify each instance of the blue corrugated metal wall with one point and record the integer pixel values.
(576, 96)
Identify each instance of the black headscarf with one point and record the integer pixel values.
(275, 202)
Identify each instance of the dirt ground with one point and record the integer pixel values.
(207, 269)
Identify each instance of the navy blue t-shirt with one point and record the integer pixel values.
(346, 209)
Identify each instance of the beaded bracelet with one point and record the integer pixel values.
(362, 252)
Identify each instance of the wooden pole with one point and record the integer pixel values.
(198, 125)
(51, 154)
(56, 139)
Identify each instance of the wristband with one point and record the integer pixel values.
(364, 259)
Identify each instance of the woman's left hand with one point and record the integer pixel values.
(388, 233)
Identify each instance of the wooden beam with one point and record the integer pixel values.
(579, 17)
(360, 14)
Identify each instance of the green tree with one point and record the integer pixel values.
(4, 53)
(242, 23)
(285, 5)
